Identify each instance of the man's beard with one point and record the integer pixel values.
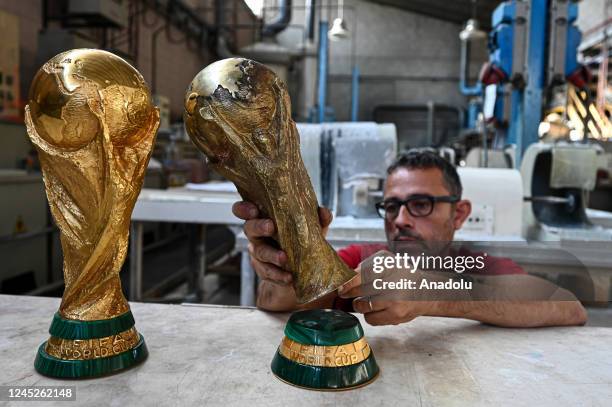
(397, 245)
(419, 245)
(409, 234)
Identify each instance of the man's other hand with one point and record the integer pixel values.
(268, 262)
(382, 306)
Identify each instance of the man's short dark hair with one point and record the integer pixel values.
(420, 159)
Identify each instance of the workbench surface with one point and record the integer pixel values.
(220, 356)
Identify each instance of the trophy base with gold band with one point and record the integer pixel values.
(324, 350)
(92, 121)
(82, 349)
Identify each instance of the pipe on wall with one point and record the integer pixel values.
(322, 71)
(355, 94)
(280, 22)
(311, 6)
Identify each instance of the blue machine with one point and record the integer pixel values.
(533, 46)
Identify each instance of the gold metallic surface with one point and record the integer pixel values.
(325, 356)
(238, 113)
(85, 349)
(92, 121)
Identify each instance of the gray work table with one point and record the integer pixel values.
(208, 355)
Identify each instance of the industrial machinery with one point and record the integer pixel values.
(532, 49)
(556, 181)
(496, 197)
(347, 163)
(531, 90)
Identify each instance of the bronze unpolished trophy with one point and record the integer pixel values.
(91, 118)
(238, 112)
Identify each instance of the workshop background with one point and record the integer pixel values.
(507, 91)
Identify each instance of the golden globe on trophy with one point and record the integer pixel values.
(91, 118)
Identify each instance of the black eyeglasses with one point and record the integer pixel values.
(417, 205)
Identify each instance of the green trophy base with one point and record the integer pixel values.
(85, 349)
(324, 350)
(325, 378)
(48, 365)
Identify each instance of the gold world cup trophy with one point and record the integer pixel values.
(91, 118)
(238, 112)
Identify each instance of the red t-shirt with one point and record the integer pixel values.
(354, 254)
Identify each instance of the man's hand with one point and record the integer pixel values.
(381, 307)
(381, 312)
(268, 261)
